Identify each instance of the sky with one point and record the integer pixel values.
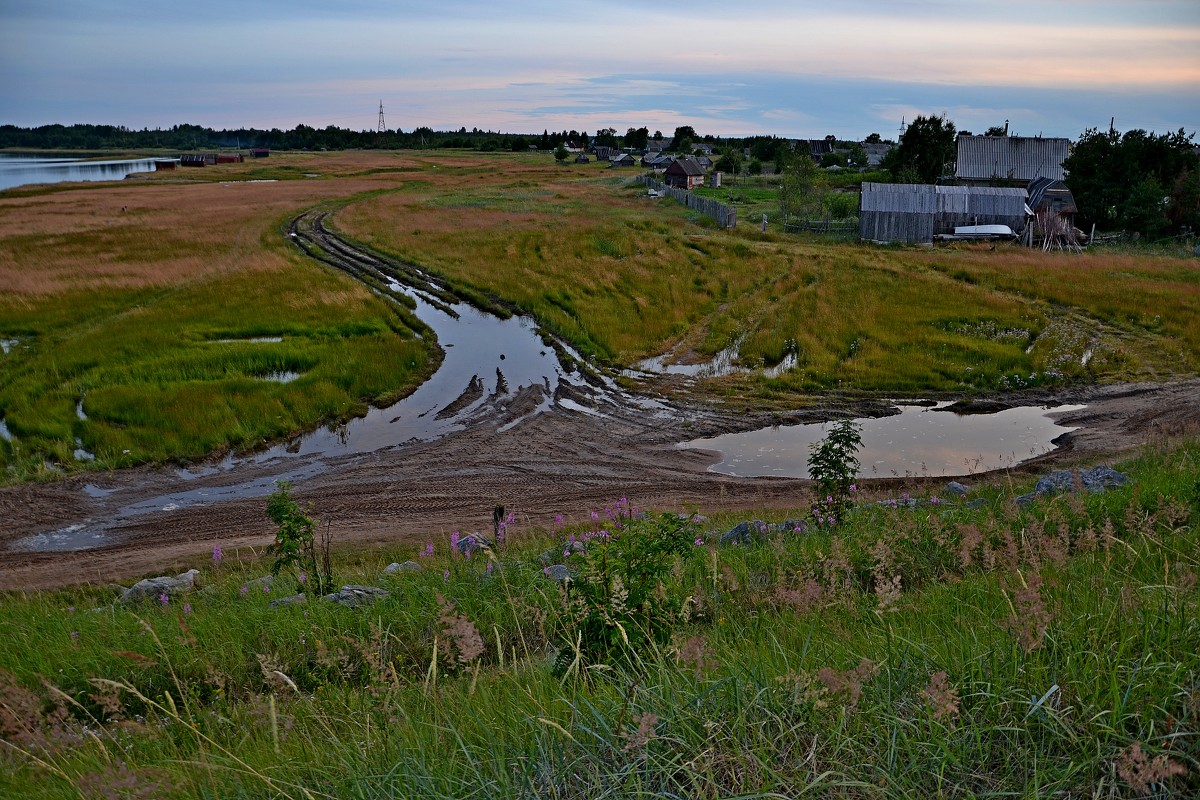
(792, 68)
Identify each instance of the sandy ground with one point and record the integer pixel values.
(557, 462)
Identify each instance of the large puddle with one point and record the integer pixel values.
(918, 441)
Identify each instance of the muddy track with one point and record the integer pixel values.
(558, 461)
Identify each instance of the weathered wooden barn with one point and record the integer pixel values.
(996, 159)
(684, 173)
(915, 213)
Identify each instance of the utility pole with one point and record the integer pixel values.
(382, 124)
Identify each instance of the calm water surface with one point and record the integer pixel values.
(918, 441)
(23, 170)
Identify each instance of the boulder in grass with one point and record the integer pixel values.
(355, 596)
(408, 566)
(293, 600)
(957, 489)
(154, 588)
(745, 533)
(473, 542)
(1096, 480)
(557, 572)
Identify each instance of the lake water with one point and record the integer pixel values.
(24, 170)
(918, 441)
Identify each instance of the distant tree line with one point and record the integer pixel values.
(184, 138)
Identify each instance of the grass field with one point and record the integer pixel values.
(943, 651)
(127, 310)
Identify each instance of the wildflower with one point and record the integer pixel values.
(217, 554)
(446, 576)
(558, 520)
(453, 541)
(267, 588)
(74, 635)
(638, 739)
(71, 610)
(245, 590)
(941, 697)
(187, 609)
(428, 551)
(164, 598)
(1141, 773)
(303, 578)
(853, 488)
(699, 541)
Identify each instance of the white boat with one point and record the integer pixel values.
(983, 231)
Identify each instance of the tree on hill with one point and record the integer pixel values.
(925, 150)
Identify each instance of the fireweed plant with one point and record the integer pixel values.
(616, 601)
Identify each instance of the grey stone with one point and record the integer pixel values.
(956, 488)
(266, 581)
(407, 566)
(153, 588)
(790, 526)
(558, 572)
(745, 533)
(294, 600)
(1097, 480)
(355, 596)
(473, 541)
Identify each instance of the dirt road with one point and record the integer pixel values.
(556, 462)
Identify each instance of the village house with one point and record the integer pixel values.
(989, 160)
(621, 160)
(684, 173)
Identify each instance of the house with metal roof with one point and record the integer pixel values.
(916, 213)
(1020, 159)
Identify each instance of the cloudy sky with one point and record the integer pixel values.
(798, 68)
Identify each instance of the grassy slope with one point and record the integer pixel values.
(1019, 653)
(624, 277)
(121, 312)
(117, 307)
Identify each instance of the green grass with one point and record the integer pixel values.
(156, 382)
(1021, 652)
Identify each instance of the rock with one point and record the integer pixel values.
(263, 583)
(558, 572)
(957, 489)
(407, 566)
(154, 588)
(790, 526)
(473, 541)
(294, 600)
(1097, 480)
(745, 533)
(355, 596)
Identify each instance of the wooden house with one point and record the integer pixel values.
(915, 213)
(684, 173)
(621, 160)
(990, 160)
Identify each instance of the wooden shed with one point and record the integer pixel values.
(915, 213)
(684, 173)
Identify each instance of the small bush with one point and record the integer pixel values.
(618, 602)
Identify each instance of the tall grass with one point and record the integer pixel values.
(948, 650)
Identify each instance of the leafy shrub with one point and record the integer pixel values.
(833, 464)
(618, 602)
(295, 546)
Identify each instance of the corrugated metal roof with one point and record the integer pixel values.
(1021, 158)
(907, 212)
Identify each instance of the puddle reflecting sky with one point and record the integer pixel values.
(917, 441)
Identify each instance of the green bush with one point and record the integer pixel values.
(617, 603)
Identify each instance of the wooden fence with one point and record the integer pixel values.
(725, 216)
